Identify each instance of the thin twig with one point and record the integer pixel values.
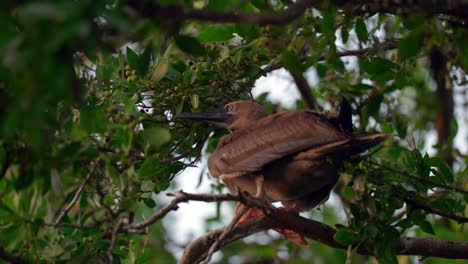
(115, 233)
(419, 178)
(181, 196)
(75, 198)
(172, 206)
(427, 208)
(385, 45)
(224, 234)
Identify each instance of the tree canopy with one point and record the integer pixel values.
(89, 92)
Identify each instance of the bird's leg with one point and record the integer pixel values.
(265, 204)
(260, 198)
(261, 194)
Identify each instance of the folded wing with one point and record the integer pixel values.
(272, 138)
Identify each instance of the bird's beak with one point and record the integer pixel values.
(218, 117)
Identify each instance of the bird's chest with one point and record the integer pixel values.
(287, 179)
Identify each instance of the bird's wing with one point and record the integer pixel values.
(347, 147)
(271, 138)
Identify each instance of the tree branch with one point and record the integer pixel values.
(75, 198)
(115, 233)
(418, 178)
(427, 208)
(386, 45)
(215, 246)
(445, 113)
(454, 8)
(180, 197)
(304, 89)
(429, 247)
(198, 249)
(178, 13)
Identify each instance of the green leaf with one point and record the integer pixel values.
(443, 169)
(291, 62)
(362, 87)
(195, 100)
(132, 58)
(216, 33)
(190, 45)
(327, 25)
(419, 218)
(144, 61)
(344, 236)
(361, 30)
(220, 5)
(248, 32)
(156, 136)
(373, 106)
(149, 202)
(149, 168)
(410, 45)
(427, 227)
(144, 257)
(400, 125)
(93, 119)
(376, 65)
(260, 4)
(405, 223)
(160, 70)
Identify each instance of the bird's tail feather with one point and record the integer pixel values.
(363, 142)
(346, 147)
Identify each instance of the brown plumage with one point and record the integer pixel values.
(292, 157)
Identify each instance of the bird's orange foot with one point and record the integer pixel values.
(288, 234)
(250, 213)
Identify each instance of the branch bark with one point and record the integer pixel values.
(445, 114)
(75, 197)
(454, 8)
(198, 249)
(304, 89)
(386, 45)
(178, 13)
(429, 247)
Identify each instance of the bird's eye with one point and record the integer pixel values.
(229, 108)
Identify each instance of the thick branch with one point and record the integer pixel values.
(455, 8)
(429, 247)
(198, 249)
(172, 12)
(445, 103)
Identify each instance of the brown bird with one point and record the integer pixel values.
(291, 157)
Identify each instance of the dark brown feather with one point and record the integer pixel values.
(269, 139)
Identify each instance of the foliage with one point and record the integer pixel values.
(90, 87)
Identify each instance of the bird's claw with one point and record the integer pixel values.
(262, 202)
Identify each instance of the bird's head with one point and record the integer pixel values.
(233, 116)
